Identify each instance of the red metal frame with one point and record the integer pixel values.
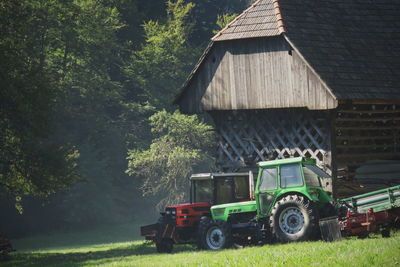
(184, 219)
(188, 214)
(357, 223)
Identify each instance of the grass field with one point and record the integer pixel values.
(80, 249)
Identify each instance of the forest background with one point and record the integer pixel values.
(89, 136)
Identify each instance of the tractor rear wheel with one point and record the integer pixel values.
(214, 234)
(385, 232)
(294, 218)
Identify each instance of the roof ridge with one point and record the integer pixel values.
(262, 8)
(235, 19)
(279, 18)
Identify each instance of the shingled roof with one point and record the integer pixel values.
(352, 45)
(261, 19)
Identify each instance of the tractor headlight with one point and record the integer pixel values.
(173, 212)
(168, 212)
(218, 212)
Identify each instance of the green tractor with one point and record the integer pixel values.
(289, 202)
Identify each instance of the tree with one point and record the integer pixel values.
(32, 161)
(206, 14)
(58, 59)
(79, 80)
(182, 143)
(159, 68)
(224, 20)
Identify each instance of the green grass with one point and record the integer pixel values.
(375, 251)
(99, 235)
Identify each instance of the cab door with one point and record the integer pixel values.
(266, 190)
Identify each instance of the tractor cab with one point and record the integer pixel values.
(221, 188)
(289, 176)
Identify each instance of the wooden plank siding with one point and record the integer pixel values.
(254, 73)
(367, 138)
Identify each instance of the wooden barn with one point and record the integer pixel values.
(308, 78)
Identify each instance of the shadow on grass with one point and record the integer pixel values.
(78, 258)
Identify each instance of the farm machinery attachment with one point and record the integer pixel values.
(371, 212)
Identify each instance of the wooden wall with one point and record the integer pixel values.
(367, 142)
(254, 73)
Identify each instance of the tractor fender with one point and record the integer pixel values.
(292, 193)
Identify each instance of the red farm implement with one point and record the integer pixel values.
(377, 211)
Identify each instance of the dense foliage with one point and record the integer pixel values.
(79, 81)
(181, 144)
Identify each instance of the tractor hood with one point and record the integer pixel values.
(222, 212)
(189, 205)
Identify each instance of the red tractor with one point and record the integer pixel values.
(178, 224)
(5, 246)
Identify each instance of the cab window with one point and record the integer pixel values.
(268, 179)
(310, 177)
(203, 191)
(241, 188)
(223, 191)
(291, 175)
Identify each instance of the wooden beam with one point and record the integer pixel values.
(351, 174)
(374, 128)
(352, 111)
(376, 101)
(350, 146)
(367, 119)
(333, 163)
(383, 155)
(358, 138)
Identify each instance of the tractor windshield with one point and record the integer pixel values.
(268, 179)
(231, 189)
(203, 190)
(220, 188)
(291, 175)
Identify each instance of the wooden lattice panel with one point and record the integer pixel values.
(246, 137)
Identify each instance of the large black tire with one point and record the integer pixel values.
(214, 234)
(165, 245)
(385, 232)
(294, 218)
(202, 227)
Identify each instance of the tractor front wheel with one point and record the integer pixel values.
(214, 234)
(165, 245)
(293, 218)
